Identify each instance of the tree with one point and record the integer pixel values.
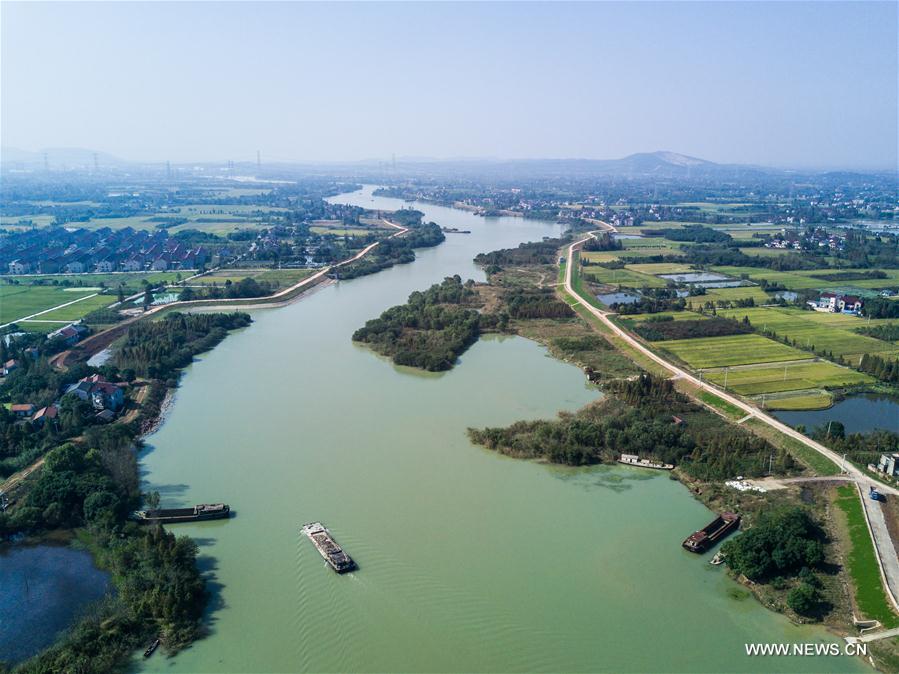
(148, 297)
(803, 599)
(121, 293)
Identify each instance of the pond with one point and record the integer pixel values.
(43, 589)
(618, 298)
(697, 277)
(858, 414)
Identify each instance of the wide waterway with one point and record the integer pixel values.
(470, 561)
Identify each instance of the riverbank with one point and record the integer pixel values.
(367, 438)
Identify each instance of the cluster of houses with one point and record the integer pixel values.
(106, 398)
(837, 303)
(794, 240)
(56, 250)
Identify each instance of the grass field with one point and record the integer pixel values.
(706, 352)
(862, 561)
(18, 301)
(813, 329)
(624, 277)
(789, 377)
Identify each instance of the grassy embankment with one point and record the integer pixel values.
(870, 596)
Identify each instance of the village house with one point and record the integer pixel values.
(9, 366)
(102, 394)
(49, 413)
(888, 464)
(835, 303)
(22, 410)
(71, 334)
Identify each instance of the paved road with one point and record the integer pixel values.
(882, 541)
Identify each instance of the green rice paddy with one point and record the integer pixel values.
(706, 352)
(788, 377)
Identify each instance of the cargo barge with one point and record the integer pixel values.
(321, 538)
(634, 460)
(199, 513)
(721, 526)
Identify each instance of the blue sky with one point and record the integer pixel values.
(806, 84)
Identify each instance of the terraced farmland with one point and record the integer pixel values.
(788, 377)
(706, 352)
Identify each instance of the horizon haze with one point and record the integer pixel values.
(798, 85)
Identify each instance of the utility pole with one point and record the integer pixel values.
(726, 370)
(700, 379)
(168, 170)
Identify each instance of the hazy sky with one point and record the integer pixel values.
(810, 84)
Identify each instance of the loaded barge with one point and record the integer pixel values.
(199, 513)
(321, 538)
(718, 528)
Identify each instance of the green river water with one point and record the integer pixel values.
(469, 561)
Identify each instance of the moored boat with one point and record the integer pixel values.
(634, 460)
(714, 531)
(199, 513)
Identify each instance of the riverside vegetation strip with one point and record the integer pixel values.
(647, 416)
(89, 483)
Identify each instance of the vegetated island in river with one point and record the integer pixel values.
(789, 558)
(89, 482)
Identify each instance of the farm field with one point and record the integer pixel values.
(791, 280)
(602, 256)
(788, 377)
(25, 221)
(754, 251)
(110, 280)
(344, 231)
(75, 311)
(675, 315)
(623, 277)
(706, 352)
(280, 277)
(716, 295)
(660, 268)
(18, 301)
(813, 329)
(809, 400)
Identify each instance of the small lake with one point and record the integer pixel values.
(618, 298)
(858, 414)
(43, 589)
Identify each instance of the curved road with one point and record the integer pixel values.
(883, 544)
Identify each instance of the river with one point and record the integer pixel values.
(470, 561)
